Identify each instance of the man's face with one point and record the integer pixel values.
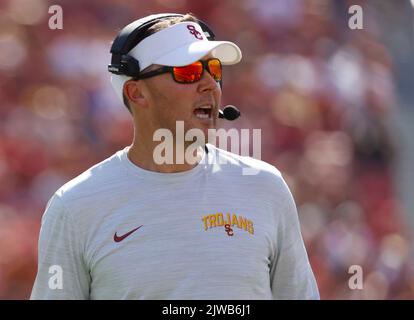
(170, 101)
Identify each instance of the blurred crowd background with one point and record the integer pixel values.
(333, 105)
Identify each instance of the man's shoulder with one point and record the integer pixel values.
(92, 180)
(258, 177)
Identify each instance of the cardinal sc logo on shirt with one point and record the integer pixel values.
(228, 221)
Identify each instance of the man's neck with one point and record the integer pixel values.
(143, 156)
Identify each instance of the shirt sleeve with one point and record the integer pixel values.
(61, 270)
(291, 275)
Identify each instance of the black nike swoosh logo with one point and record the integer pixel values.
(120, 238)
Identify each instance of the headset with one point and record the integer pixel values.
(131, 35)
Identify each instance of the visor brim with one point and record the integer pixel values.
(227, 52)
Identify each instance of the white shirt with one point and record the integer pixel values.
(207, 233)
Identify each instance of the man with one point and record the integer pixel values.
(131, 227)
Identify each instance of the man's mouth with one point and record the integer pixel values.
(204, 112)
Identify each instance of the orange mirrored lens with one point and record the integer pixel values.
(188, 74)
(214, 67)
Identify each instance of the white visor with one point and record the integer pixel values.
(179, 45)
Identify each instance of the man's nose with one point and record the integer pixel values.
(207, 82)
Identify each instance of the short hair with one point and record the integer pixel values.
(162, 24)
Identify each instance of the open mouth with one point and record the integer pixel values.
(203, 112)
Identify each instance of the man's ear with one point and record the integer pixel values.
(134, 91)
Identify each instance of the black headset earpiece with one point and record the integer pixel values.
(121, 62)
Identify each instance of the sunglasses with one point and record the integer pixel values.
(190, 73)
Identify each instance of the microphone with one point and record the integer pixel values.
(229, 113)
